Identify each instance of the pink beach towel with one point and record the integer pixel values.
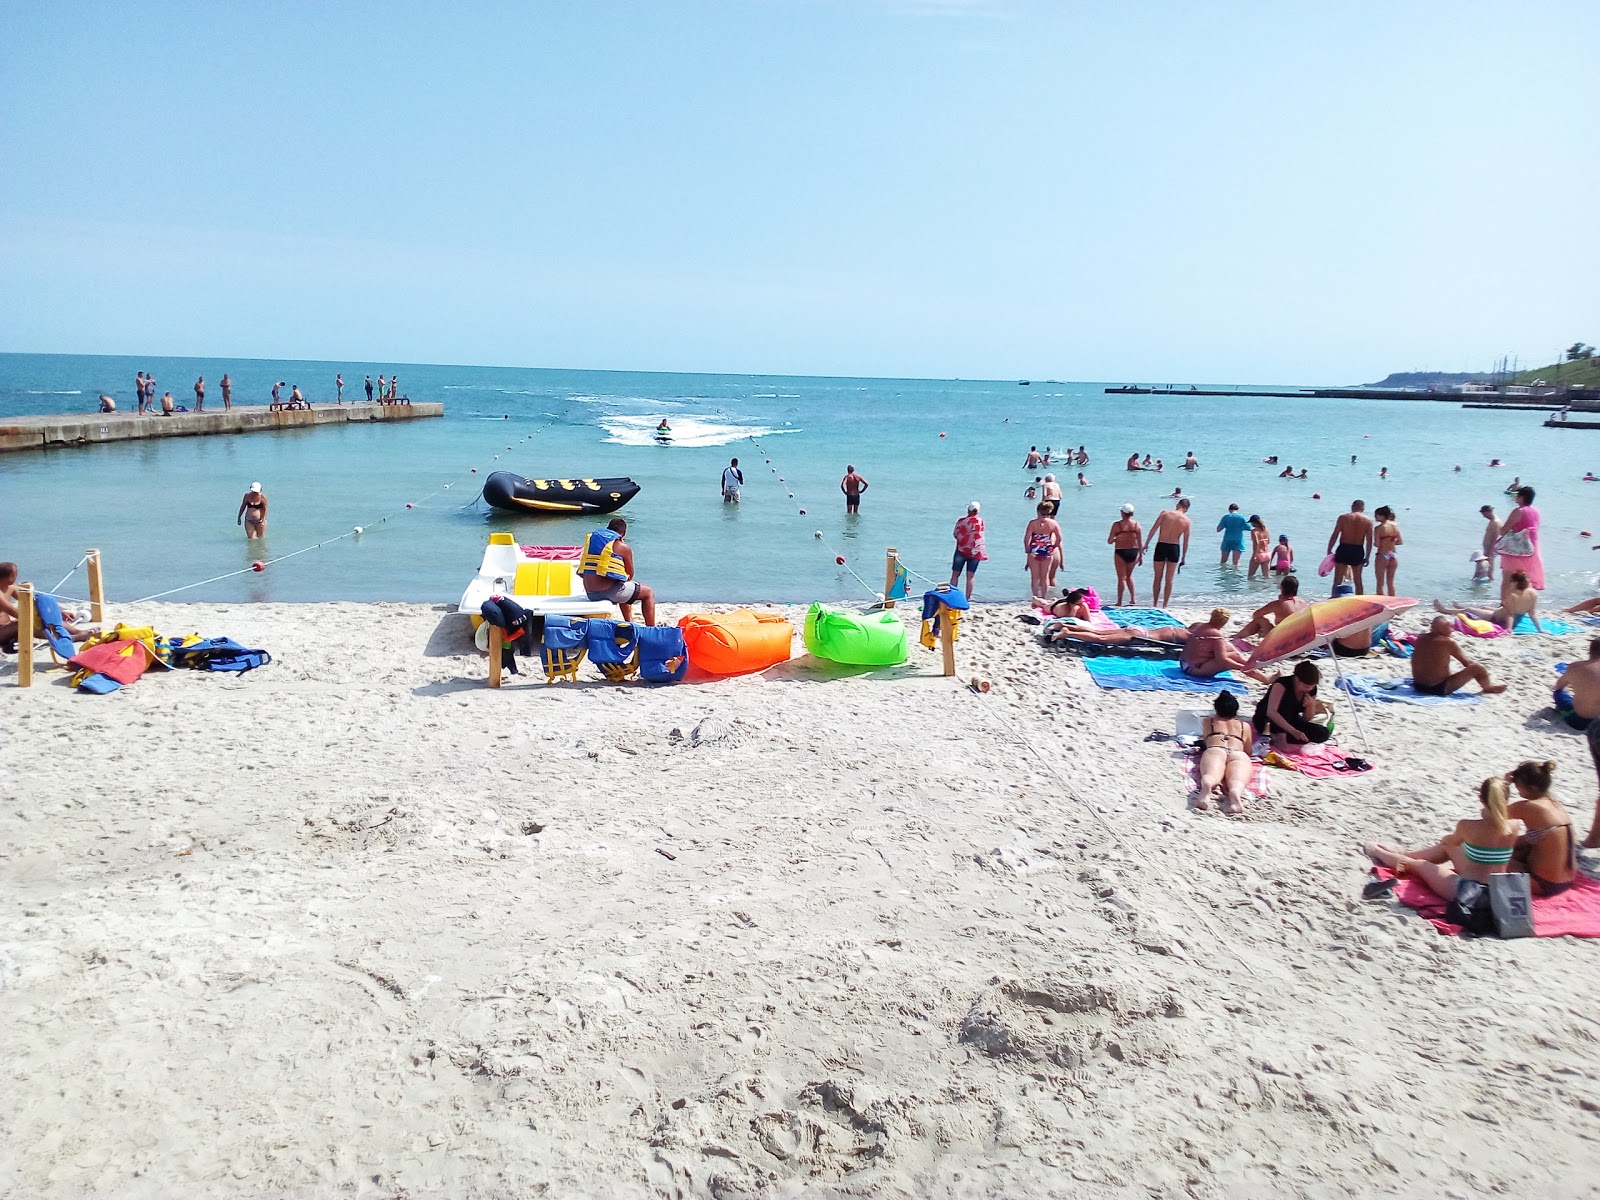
(1190, 766)
(1575, 912)
(1325, 761)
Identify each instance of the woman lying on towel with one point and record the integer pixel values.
(1225, 754)
(1477, 849)
(1056, 630)
(1548, 851)
(1071, 606)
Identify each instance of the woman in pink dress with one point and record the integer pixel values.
(1524, 519)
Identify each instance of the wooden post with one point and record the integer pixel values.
(97, 589)
(947, 641)
(888, 577)
(496, 645)
(25, 623)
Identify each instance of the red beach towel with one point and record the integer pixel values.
(122, 661)
(1575, 912)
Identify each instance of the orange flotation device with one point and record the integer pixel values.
(737, 642)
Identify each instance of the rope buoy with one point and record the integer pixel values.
(258, 565)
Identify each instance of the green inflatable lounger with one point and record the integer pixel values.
(857, 639)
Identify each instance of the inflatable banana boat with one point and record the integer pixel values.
(513, 493)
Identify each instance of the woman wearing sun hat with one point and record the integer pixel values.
(253, 513)
(1125, 539)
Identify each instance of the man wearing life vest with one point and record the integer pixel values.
(606, 570)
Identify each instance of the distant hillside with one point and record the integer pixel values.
(1427, 379)
(1585, 372)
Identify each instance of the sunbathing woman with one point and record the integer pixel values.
(1115, 637)
(1225, 754)
(1477, 848)
(1518, 600)
(1548, 851)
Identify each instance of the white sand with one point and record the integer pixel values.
(354, 924)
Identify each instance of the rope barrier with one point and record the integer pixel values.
(410, 505)
(69, 575)
(840, 559)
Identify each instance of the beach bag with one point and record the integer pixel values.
(1516, 544)
(219, 654)
(1511, 901)
(1471, 908)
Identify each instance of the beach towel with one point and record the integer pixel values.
(1398, 691)
(1575, 912)
(1473, 627)
(1149, 675)
(1139, 648)
(1257, 786)
(1552, 625)
(1150, 618)
(1314, 761)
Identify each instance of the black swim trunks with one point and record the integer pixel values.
(1128, 555)
(1167, 552)
(1345, 651)
(1350, 554)
(1430, 689)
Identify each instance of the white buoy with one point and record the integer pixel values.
(357, 529)
(817, 534)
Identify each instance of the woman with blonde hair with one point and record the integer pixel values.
(1548, 850)
(1476, 849)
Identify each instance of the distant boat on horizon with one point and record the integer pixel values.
(1023, 383)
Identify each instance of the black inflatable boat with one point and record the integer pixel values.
(513, 493)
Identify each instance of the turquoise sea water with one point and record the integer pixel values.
(163, 511)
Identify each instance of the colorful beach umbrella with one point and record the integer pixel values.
(1324, 621)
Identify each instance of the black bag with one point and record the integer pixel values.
(523, 630)
(1471, 909)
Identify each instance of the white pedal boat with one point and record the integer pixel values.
(543, 579)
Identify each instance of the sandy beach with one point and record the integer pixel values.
(353, 924)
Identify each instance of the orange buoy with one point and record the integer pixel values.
(258, 565)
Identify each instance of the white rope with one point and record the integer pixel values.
(69, 574)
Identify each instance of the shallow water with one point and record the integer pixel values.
(163, 511)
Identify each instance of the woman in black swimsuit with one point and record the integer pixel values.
(1125, 539)
(1225, 754)
(253, 513)
(1547, 850)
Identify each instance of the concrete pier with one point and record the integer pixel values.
(93, 429)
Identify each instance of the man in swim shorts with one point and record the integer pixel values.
(227, 391)
(1350, 543)
(606, 572)
(1266, 618)
(852, 485)
(1051, 495)
(1170, 533)
(1491, 535)
(732, 481)
(1580, 684)
(9, 615)
(1432, 654)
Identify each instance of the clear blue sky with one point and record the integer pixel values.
(1188, 191)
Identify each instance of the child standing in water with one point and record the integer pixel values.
(1282, 556)
(1385, 536)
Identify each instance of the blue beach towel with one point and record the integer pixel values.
(1148, 675)
(1398, 691)
(1551, 625)
(1150, 618)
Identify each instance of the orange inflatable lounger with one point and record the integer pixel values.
(737, 642)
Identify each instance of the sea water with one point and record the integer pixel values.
(163, 512)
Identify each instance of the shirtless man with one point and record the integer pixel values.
(1431, 656)
(277, 395)
(1208, 652)
(1350, 543)
(1124, 539)
(1170, 533)
(852, 485)
(252, 513)
(1581, 683)
(1191, 463)
(227, 392)
(1033, 460)
(1082, 457)
(1491, 535)
(296, 399)
(9, 614)
(200, 394)
(338, 386)
(1051, 494)
(1266, 618)
(1133, 461)
(1041, 548)
(1518, 600)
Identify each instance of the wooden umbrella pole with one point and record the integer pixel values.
(25, 627)
(97, 588)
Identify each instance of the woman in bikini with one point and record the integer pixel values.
(1548, 851)
(1125, 539)
(1260, 547)
(253, 513)
(1386, 536)
(1475, 850)
(1225, 754)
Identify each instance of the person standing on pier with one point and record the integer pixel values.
(394, 388)
(338, 384)
(381, 389)
(138, 384)
(227, 392)
(369, 389)
(200, 394)
(277, 394)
